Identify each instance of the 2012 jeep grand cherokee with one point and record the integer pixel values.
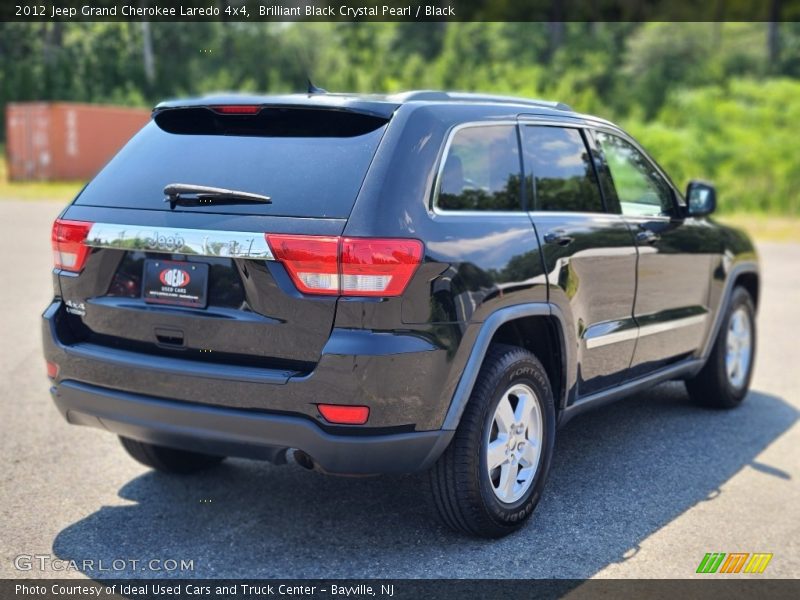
(388, 284)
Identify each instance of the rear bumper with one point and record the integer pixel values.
(230, 432)
(401, 376)
(258, 412)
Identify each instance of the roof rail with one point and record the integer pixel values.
(508, 100)
(432, 95)
(419, 95)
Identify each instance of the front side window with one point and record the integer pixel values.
(642, 191)
(482, 170)
(563, 174)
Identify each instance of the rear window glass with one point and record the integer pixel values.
(310, 164)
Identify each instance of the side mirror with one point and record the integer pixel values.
(701, 198)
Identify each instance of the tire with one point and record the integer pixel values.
(168, 460)
(715, 386)
(467, 495)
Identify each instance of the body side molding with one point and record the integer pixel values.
(632, 333)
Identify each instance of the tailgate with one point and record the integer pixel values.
(251, 314)
(198, 280)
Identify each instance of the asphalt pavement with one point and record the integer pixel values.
(642, 488)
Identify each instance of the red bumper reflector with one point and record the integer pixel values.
(344, 415)
(52, 370)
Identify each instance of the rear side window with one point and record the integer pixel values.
(310, 165)
(482, 170)
(563, 174)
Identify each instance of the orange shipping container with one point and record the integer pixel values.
(60, 140)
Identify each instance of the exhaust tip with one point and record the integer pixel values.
(303, 459)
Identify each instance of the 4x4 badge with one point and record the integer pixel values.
(75, 308)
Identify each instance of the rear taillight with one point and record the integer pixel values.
(312, 261)
(69, 250)
(347, 266)
(377, 267)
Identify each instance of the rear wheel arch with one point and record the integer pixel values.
(541, 336)
(536, 327)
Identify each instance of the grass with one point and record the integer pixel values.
(765, 228)
(56, 191)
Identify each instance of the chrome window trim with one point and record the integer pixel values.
(582, 122)
(434, 206)
(479, 213)
(644, 219)
(179, 240)
(563, 214)
(523, 119)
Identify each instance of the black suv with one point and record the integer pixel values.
(377, 284)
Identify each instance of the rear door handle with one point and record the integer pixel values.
(558, 237)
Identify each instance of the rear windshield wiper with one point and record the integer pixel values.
(186, 194)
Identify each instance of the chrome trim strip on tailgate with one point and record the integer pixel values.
(177, 240)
